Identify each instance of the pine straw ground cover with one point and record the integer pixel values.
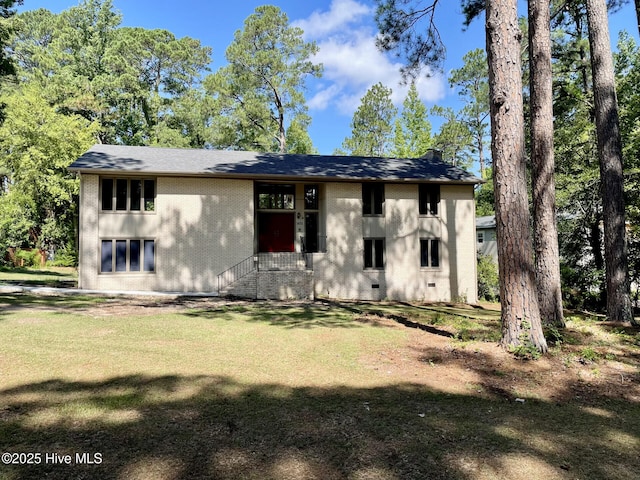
(195, 388)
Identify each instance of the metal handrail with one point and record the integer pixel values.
(277, 261)
(236, 272)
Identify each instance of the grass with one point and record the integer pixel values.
(165, 389)
(42, 277)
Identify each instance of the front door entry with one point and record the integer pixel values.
(276, 232)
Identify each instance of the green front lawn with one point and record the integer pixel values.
(64, 277)
(184, 389)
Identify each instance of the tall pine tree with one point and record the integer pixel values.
(371, 126)
(412, 136)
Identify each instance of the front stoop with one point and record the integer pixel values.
(287, 285)
(273, 285)
(245, 287)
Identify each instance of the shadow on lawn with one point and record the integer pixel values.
(42, 283)
(38, 278)
(309, 314)
(280, 314)
(52, 303)
(476, 312)
(31, 271)
(191, 427)
(426, 318)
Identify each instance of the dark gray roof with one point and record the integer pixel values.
(113, 159)
(486, 222)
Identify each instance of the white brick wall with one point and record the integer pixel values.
(341, 274)
(406, 279)
(203, 226)
(207, 227)
(88, 244)
(461, 225)
(285, 285)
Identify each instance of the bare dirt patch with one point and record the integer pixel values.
(485, 369)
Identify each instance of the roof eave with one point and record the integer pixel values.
(275, 177)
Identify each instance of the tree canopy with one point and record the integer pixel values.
(261, 91)
(37, 144)
(372, 124)
(92, 80)
(412, 134)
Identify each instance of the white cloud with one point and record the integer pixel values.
(340, 14)
(353, 63)
(430, 89)
(323, 97)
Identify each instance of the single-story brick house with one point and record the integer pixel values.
(276, 226)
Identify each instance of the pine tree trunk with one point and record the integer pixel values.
(547, 259)
(479, 145)
(520, 312)
(282, 134)
(611, 173)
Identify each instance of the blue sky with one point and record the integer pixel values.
(345, 32)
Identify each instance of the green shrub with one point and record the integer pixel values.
(526, 351)
(29, 258)
(589, 355)
(553, 335)
(582, 287)
(66, 256)
(488, 284)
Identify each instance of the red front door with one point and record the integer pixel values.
(276, 232)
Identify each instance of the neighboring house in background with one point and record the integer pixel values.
(486, 241)
(276, 226)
